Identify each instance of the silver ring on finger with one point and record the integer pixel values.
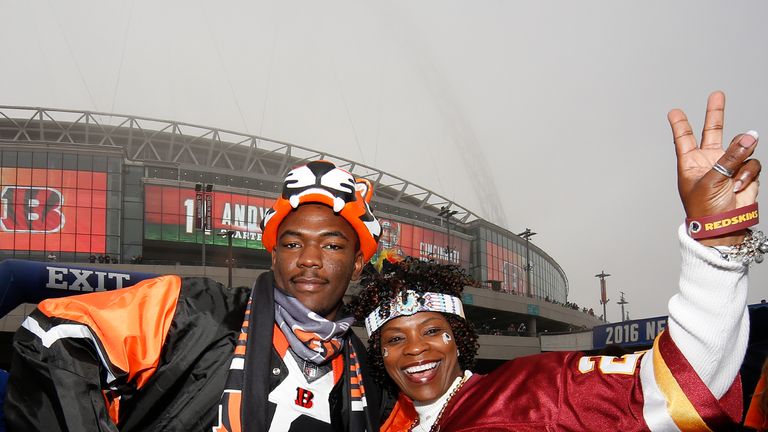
(723, 170)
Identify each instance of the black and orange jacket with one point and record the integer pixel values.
(152, 357)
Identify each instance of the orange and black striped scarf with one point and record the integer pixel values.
(329, 344)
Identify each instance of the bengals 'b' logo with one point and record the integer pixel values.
(304, 398)
(31, 209)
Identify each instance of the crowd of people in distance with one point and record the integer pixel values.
(570, 305)
(496, 286)
(101, 259)
(105, 259)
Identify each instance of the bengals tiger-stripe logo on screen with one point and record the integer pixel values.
(31, 209)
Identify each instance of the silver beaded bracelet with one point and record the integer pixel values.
(751, 250)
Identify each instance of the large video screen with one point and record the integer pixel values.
(169, 215)
(52, 210)
(399, 238)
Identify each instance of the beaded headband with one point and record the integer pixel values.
(409, 303)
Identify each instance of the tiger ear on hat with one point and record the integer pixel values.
(365, 188)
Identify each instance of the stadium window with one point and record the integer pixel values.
(114, 165)
(23, 177)
(154, 204)
(113, 222)
(70, 161)
(113, 215)
(36, 242)
(84, 198)
(133, 231)
(21, 241)
(170, 229)
(39, 176)
(24, 160)
(132, 210)
(54, 160)
(84, 162)
(133, 175)
(100, 163)
(153, 228)
(66, 257)
(132, 193)
(171, 173)
(99, 180)
(113, 247)
(211, 178)
(192, 176)
(96, 243)
(113, 182)
(8, 158)
(83, 223)
(236, 181)
(39, 160)
(131, 251)
(85, 180)
(55, 177)
(52, 242)
(67, 241)
(113, 199)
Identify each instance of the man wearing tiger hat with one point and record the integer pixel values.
(185, 354)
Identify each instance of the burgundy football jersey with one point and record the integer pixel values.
(656, 390)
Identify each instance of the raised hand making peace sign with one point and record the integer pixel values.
(712, 181)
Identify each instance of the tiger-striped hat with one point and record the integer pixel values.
(322, 182)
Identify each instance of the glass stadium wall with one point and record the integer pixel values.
(499, 261)
(60, 205)
(77, 204)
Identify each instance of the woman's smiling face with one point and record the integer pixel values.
(420, 355)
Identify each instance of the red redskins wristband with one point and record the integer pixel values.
(723, 223)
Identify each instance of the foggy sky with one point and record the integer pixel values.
(548, 115)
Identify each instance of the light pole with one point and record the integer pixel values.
(603, 294)
(446, 213)
(622, 302)
(204, 204)
(228, 234)
(527, 234)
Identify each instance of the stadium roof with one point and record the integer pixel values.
(203, 148)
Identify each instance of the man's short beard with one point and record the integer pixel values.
(337, 308)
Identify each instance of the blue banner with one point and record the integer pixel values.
(32, 281)
(628, 333)
(533, 310)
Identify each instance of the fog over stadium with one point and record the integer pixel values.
(549, 116)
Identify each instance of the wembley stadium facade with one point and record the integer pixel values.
(165, 196)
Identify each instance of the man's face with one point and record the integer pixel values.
(315, 257)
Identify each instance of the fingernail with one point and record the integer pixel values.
(749, 139)
(737, 185)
